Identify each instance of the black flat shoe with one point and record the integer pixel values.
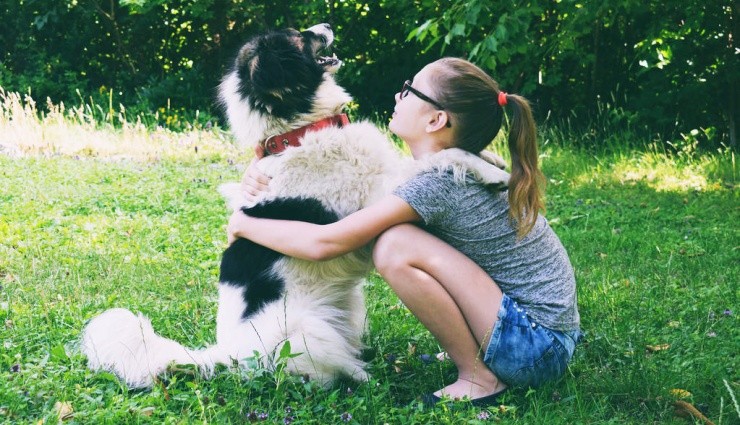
(430, 400)
(489, 400)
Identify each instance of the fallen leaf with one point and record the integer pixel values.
(64, 410)
(679, 393)
(147, 411)
(657, 347)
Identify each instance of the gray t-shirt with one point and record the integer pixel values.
(534, 271)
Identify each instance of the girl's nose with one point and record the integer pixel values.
(397, 97)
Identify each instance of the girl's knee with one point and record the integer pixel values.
(391, 248)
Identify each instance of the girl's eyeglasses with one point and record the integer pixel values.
(407, 88)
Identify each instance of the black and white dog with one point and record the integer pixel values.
(281, 95)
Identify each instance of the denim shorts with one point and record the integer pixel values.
(523, 353)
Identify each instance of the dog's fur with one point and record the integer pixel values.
(279, 83)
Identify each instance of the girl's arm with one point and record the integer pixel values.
(317, 242)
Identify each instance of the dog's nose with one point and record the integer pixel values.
(327, 26)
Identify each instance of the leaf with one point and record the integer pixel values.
(420, 32)
(63, 410)
(491, 44)
(474, 52)
(59, 354)
(657, 347)
(472, 13)
(285, 352)
(412, 34)
(147, 411)
(501, 29)
(458, 29)
(431, 44)
(680, 393)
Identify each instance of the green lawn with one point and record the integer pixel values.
(653, 238)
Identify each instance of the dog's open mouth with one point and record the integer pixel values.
(329, 63)
(328, 60)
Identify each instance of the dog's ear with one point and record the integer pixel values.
(283, 65)
(246, 60)
(268, 71)
(262, 63)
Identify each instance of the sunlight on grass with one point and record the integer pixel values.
(663, 174)
(660, 172)
(75, 131)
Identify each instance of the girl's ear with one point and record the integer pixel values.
(437, 120)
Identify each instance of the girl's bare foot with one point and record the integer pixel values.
(467, 388)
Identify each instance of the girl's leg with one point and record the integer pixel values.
(450, 294)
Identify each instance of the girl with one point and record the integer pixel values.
(481, 269)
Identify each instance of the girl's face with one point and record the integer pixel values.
(411, 113)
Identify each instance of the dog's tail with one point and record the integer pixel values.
(125, 344)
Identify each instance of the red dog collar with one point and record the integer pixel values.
(274, 145)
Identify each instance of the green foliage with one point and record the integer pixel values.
(671, 64)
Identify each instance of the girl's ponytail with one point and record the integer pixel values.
(527, 183)
(477, 105)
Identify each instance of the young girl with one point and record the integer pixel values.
(480, 268)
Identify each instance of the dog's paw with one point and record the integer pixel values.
(485, 169)
(360, 375)
(493, 158)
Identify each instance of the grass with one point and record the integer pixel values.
(94, 216)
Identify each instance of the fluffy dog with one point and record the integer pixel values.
(281, 95)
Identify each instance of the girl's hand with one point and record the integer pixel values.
(238, 222)
(254, 183)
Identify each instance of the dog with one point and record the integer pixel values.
(281, 95)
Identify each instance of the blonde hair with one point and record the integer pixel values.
(470, 96)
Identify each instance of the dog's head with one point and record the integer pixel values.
(280, 71)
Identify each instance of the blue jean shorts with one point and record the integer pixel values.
(523, 353)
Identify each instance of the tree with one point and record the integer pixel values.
(668, 68)
(672, 65)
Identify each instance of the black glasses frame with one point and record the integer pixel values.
(406, 89)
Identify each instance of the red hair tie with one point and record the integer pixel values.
(502, 98)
